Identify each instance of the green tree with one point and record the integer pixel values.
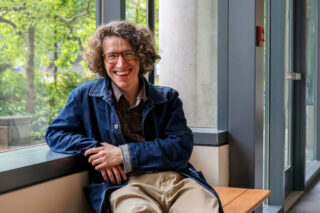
(12, 99)
(31, 30)
(44, 38)
(136, 11)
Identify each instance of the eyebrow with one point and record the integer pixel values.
(118, 52)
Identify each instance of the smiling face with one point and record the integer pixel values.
(124, 73)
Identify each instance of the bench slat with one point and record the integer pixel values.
(241, 200)
(228, 194)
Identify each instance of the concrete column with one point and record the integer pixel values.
(188, 47)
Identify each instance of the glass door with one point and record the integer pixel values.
(311, 80)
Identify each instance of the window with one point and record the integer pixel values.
(40, 63)
(137, 12)
(188, 46)
(311, 80)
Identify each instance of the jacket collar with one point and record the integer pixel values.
(100, 88)
(103, 88)
(141, 96)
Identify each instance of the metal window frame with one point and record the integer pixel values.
(110, 10)
(151, 25)
(276, 104)
(223, 64)
(245, 98)
(318, 90)
(299, 98)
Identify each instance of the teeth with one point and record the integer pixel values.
(122, 73)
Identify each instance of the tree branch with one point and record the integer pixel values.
(3, 20)
(17, 9)
(88, 6)
(79, 41)
(69, 20)
(75, 38)
(72, 19)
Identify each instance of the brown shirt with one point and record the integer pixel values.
(130, 117)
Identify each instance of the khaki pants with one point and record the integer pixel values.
(161, 193)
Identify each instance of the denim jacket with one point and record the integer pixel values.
(89, 118)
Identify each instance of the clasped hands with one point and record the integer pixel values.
(107, 159)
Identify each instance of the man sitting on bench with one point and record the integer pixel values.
(134, 133)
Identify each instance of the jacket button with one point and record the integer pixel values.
(116, 126)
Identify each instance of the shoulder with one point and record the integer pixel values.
(160, 94)
(97, 87)
(166, 91)
(87, 85)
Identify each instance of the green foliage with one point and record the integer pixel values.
(66, 23)
(136, 12)
(62, 28)
(58, 94)
(12, 97)
(50, 98)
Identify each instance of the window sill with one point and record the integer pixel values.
(36, 164)
(209, 136)
(312, 172)
(32, 165)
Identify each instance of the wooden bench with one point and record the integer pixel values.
(241, 200)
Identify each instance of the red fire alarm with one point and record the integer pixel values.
(260, 36)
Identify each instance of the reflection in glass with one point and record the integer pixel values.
(288, 83)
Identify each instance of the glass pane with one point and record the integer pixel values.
(136, 12)
(189, 52)
(311, 82)
(288, 83)
(41, 44)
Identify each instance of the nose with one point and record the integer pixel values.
(121, 61)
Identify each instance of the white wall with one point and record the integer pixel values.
(213, 162)
(60, 195)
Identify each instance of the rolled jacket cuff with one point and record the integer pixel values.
(126, 158)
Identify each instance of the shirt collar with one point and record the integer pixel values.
(154, 94)
(141, 94)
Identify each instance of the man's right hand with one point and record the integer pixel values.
(114, 174)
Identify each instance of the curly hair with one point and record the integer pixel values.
(141, 40)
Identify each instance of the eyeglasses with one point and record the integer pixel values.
(112, 58)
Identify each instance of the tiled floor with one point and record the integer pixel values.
(309, 202)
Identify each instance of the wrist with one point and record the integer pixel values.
(125, 155)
